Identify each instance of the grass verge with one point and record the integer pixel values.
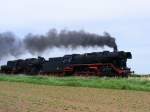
(93, 82)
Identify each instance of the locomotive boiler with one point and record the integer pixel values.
(88, 64)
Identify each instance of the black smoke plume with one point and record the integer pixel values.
(67, 39)
(10, 45)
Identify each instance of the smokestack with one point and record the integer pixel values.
(115, 49)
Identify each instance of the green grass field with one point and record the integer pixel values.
(131, 83)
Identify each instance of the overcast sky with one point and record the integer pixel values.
(126, 20)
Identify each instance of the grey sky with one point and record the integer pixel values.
(127, 20)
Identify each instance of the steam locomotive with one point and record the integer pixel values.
(89, 64)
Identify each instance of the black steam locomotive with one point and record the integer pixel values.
(89, 64)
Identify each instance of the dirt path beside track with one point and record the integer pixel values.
(21, 97)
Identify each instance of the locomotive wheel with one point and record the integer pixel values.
(107, 71)
(68, 74)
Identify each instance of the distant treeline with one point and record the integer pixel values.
(140, 75)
